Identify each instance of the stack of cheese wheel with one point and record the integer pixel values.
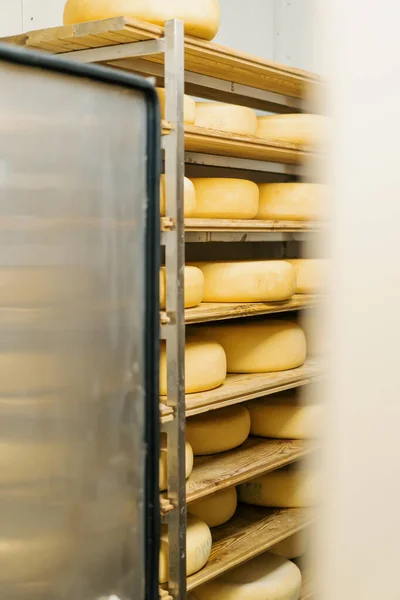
(306, 130)
(193, 287)
(219, 430)
(248, 281)
(227, 118)
(221, 198)
(259, 346)
(291, 201)
(189, 198)
(189, 107)
(216, 509)
(311, 274)
(198, 547)
(164, 462)
(200, 17)
(265, 577)
(294, 486)
(205, 366)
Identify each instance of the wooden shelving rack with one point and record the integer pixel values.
(204, 69)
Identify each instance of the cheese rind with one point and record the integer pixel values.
(189, 197)
(201, 17)
(189, 106)
(219, 430)
(291, 201)
(292, 547)
(266, 577)
(311, 274)
(193, 287)
(215, 509)
(205, 366)
(248, 281)
(306, 130)
(229, 118)
(163, 485)
(218, 198)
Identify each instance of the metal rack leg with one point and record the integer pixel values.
(175, 336)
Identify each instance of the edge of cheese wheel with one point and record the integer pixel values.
(189, 197)
(215, 509)
(294, 486)
(313, 324)
(265, 577)
(201, 17)
(302, 129)
(205, 366)
(193, 287)
(218, 430)
(198, 547)
(259, 346)
(189, 107)
(163, 483)
(311, 273)
(292, 547)
(248, 281)
(291, 201)
(222, 198)
(230, 118)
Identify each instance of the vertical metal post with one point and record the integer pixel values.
(175, 337)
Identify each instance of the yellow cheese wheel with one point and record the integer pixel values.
(284, 416)
(205, 366)
(266, 577)
(164, 462)
(229, 118)
(311, 274)
(189, 106)
(313, 323)
(259, 346)
(198, 547)
(193, 288)
(225, 198)
(291, 201)
(218, 430)
(292, 547)
(215, 509)
(306, 130)
(248, 281)
(189, 197)
(201, 17)
(291, 487)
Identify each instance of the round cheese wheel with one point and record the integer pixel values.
(189, 106)
(225, 198)
(259, 346)
(189, 197)
(313, 324)
(229, 118)
(284, 416)
(248, 281)
(266, 577)
(218, 430)
(164, 462)
(306, 130)
(292, 547)
(311, 274)
(201, 17)
(291, 201)
(291, 487)
(193, 287)
(205, 366)
(216, 509)
(198, 547)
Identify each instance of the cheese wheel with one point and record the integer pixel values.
(259, 346)
(229, 118)
(205, 366)
(189, 197)
(284, 416)
(225, 198)
(193, 287)
(218, 430)
(266, 577)
(306, 130)
(189, 106)
(200, 17)
(164, 462)
(292, 547)
(248, 281)
(198, 547)
(291, 487)
(215, 509)
(291, 201)
(313, 324)
(311, 274)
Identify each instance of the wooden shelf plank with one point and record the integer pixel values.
(307, 591)
(254, 457)
(250, 225)
(249, 533)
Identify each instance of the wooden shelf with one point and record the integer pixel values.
(307, 590)
(254, 457)
(249, 533)
(250, 225)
